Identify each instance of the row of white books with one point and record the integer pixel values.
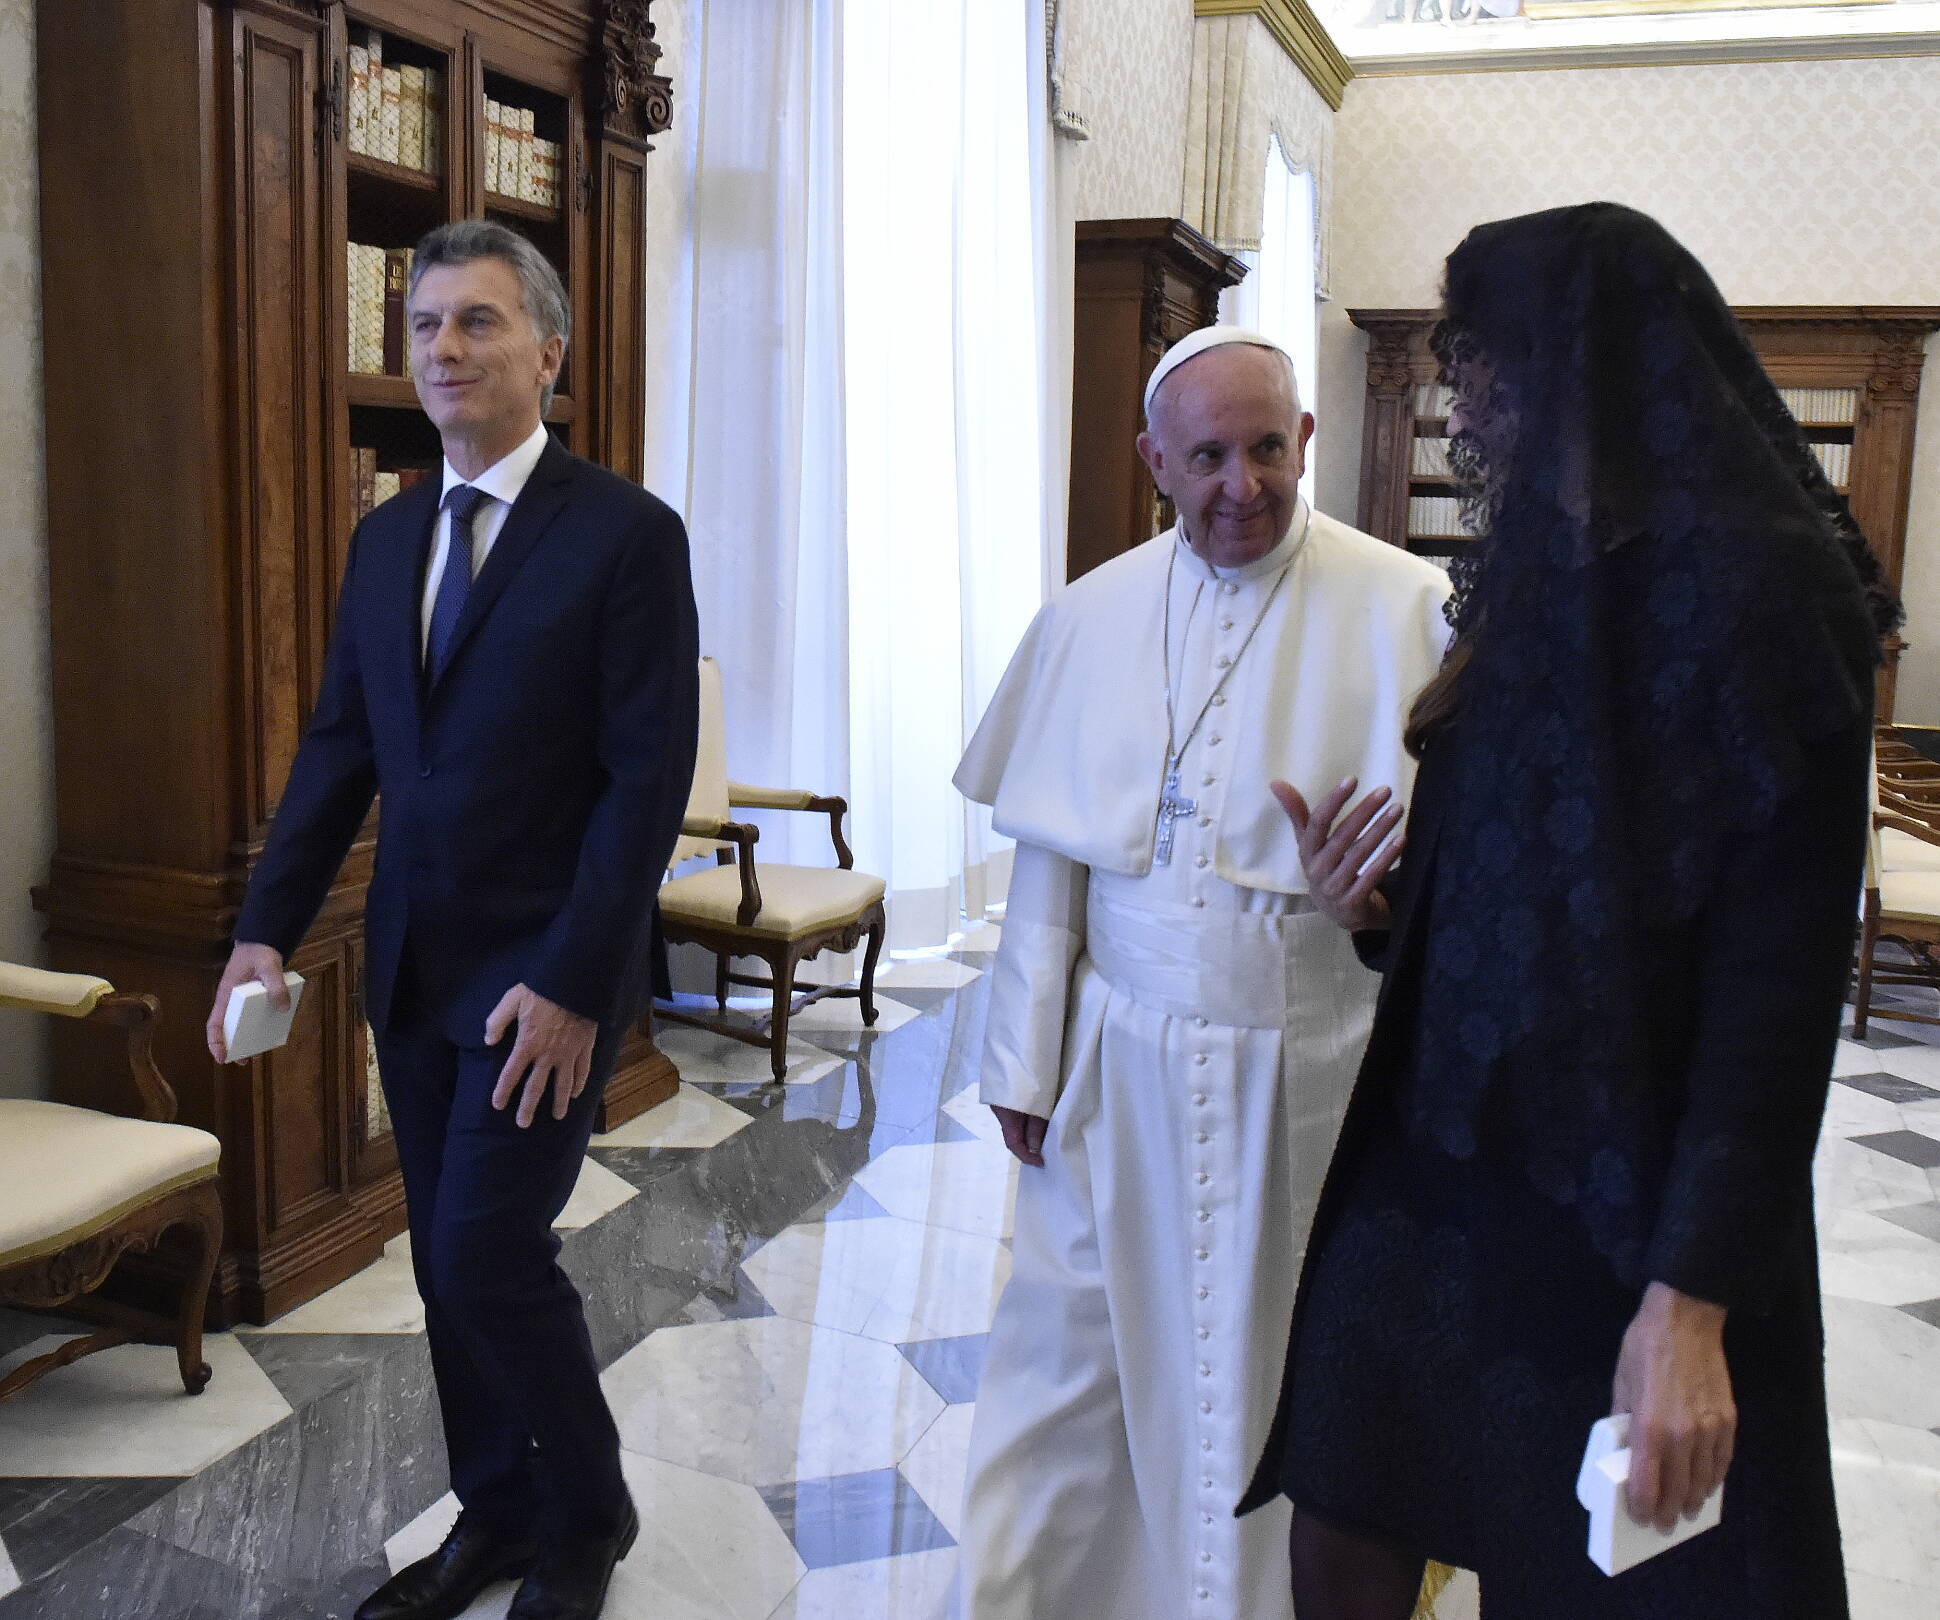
(1822, 406)
(1837, 461)
(396, 113)
(1435, 515)
(1431, 459)
(380, 282)
(1431, 399)
(519, 163)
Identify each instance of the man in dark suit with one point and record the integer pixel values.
(513, 669)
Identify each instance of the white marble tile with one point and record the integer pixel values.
(597, 1192)
(1461, 1599)
(1850, 1112)
(706, 1059)
(691, 1118)
(983, 937)
(382, 1298)
(928, 973)
(709, 1549)
(915, 1586)
(1852, 1058)
(936, 1465)
(9, 1577)
(844, 1014)
(886, 1279)
(1847, 1175)
(769, 1400)
(974, 1117)
(1881, 1364)
(124, 1413)
(1888, 1479)
(1921, 1063)
(966, 1186)
(1866, 1258)
(1871, 1598)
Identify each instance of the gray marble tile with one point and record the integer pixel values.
(129, 1576)
(304, 1366)
(852, 1518)
(21, 1328)
(850, 1204)
(952, 1367)
(45, 1521)
(744, 1303)
(1909, 1147)
(1890, 1086)
(1925, 1310)
(1921, 1218)
(321, 1491)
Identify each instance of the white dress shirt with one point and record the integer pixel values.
(503, 481)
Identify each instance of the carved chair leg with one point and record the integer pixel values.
(782, 966)
(1862, 998)
(207, 1220)
(870, 958)
(721, 963)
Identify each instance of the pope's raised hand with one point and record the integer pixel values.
(1345, 856)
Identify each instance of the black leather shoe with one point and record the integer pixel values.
(446, 1584)
(570, 1579)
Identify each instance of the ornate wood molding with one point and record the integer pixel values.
(635, 101)
(1301, 34)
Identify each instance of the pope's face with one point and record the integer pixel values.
(1228, 443)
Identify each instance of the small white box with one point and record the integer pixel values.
(252, 1025)
(1617, 1541)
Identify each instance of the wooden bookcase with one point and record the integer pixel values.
(1141, 285)
(1851, 374)
(198, 197)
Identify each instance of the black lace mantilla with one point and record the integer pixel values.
(1667, 604)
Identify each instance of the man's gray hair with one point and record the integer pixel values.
(541, 290)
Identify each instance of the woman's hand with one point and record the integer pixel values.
(1673, 1381)
(1338, 852)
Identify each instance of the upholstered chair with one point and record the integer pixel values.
(1901, 902)
(782, 916)
(79, 1188)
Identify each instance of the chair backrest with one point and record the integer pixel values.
(708, 799)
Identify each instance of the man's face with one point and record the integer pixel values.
(476, 357)
(1227, 444)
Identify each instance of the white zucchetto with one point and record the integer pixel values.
(1194, 344)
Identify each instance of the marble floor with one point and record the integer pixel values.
(789, 1288)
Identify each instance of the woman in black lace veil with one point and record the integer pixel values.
(1576, 1173)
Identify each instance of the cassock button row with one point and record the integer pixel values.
(1205, 1445)
(1202, 1178)
(1202, 1254)
(1202, 1138)
(1205, 1333)
(1205, 821)
(1203, 1594)
(1204, 1370)
(1205, 1406)
(1229, 589)
(1212, 741)
(1225, 624)
(1205, 1518)
(1203, 861)
(1208, 779)
(1219, 702)
(1200, 1023)
(1205, 1293)
(1222, 662)
(1199, 1057)
(1205, 1484)
(1204, 1216)
(1199, 900)
(1205, 1558)
(1198, 1099)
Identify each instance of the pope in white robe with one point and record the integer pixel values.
(1173, 1029)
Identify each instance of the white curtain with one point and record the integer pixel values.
(1280, 295)
(872, 353)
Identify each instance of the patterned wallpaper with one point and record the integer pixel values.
(1795, 183)
(26, 742)
(1132, 61)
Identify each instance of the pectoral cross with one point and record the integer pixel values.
(1172, 810)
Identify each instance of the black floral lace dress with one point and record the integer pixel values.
(1458, 1328)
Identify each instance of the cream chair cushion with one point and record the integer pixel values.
(707, 800)
(67, 1173)
(1911, 895)
(66, 995)
(1902, 852)
(795, 900)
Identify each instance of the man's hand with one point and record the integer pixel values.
(246, 962)
(1023, 1134)
(1338, 852)
(554, 1048)
(1673, 1381)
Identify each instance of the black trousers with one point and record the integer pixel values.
(531, 1441)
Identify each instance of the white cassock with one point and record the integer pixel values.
(1191, 1030)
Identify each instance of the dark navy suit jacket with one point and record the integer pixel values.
(531, 797)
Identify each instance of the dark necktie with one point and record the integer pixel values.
(455, 584)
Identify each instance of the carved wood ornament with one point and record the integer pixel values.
(635, 100)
